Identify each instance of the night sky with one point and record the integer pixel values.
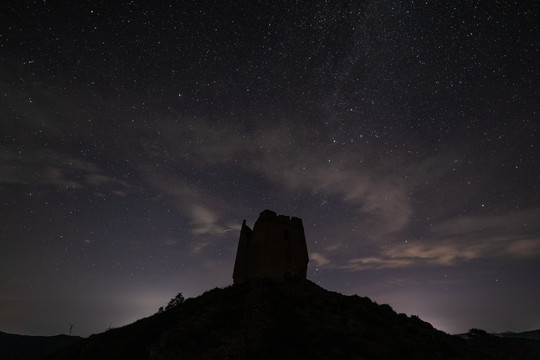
(136, 136)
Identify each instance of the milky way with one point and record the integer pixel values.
(136, 137)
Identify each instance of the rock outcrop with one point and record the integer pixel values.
(274, 249)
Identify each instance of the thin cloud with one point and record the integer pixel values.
(277, 154)
(205, 221)
(319, 259)
(169, 241)
(383, 199)
(192, 202)
(374, 263)
(59, 170)
(461, 240)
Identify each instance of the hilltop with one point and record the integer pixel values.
(295, 319)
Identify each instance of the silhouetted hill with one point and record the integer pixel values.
(22, 347)
(285, 320)
(533, 334)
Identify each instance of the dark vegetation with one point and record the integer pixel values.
(175, 301)
(288, 320)
(20, 347)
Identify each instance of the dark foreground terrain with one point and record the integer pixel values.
(21, 347)
(288, 320)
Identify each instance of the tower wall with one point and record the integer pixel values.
(275, 248)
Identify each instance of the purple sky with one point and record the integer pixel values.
(135, 137)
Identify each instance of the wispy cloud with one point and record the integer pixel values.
(383, 199)
(374, 263)
(320, 260)
(461, 240)
(53, 168)
(205, 221)
(283, 156)
(209, 216)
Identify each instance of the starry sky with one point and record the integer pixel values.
(135, 137)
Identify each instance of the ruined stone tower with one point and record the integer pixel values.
(275, 248)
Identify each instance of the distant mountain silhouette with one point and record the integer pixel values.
(293, 319)
(533, 334)
(23, 347)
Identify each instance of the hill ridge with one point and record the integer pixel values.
(265, 319)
